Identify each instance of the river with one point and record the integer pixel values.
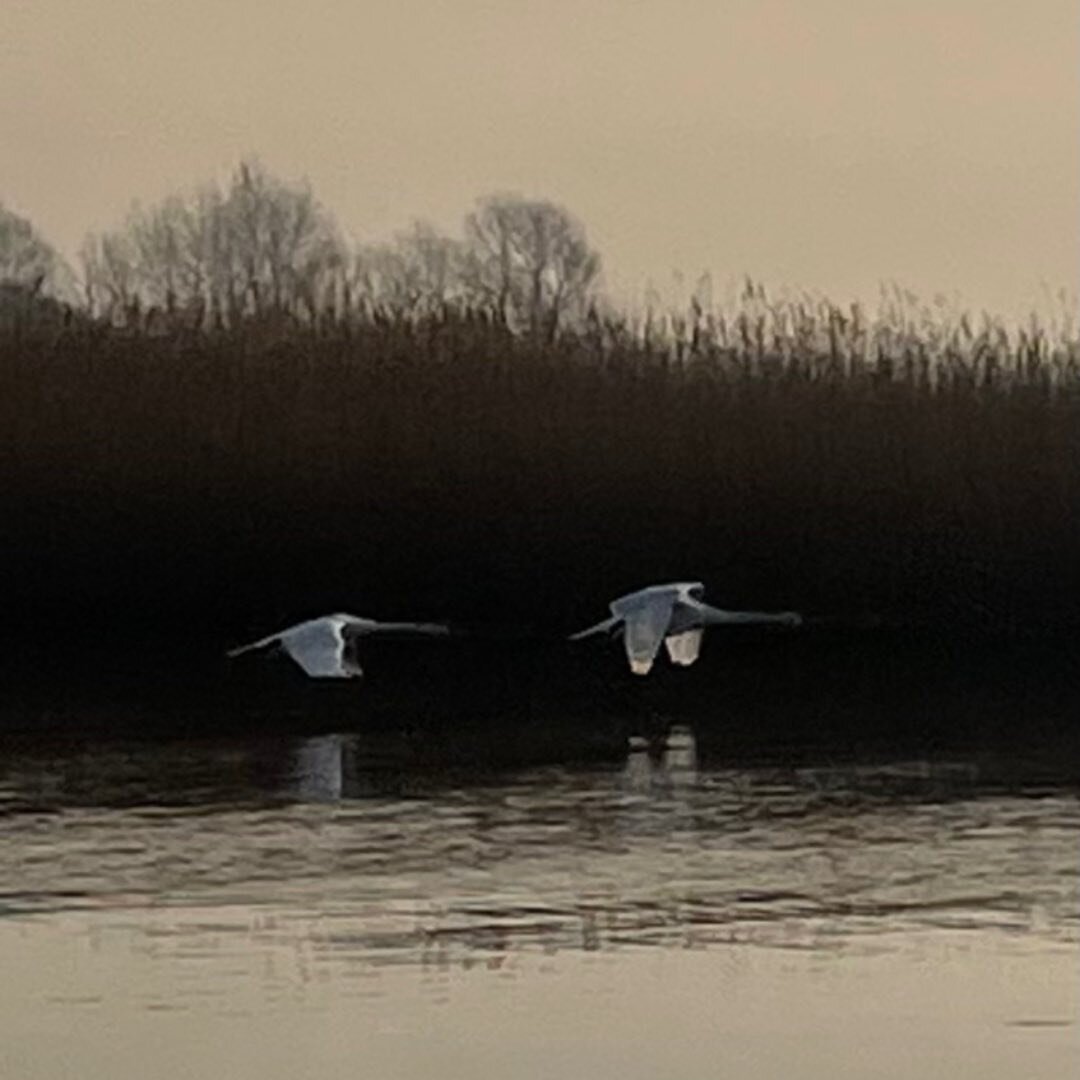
(278, 907)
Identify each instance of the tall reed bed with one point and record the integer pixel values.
(915, 465)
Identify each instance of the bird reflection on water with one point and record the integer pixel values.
(662, 848)
(672, 842)
(320, 767)
(348, 880)
(332, 767)
(663, 764)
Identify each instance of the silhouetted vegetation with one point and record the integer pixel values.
(260, 248)
(245, 421)
(203, 483)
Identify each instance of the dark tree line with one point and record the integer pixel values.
(260, 247)
(457, 422)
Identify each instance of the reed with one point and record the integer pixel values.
(916, 464)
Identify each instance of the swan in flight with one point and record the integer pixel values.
(675, 615)
(322, 646)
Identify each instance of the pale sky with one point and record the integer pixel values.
(827, 144)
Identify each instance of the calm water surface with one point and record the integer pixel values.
(289, 907)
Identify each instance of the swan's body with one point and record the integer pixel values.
(321, 646)
(674, 615)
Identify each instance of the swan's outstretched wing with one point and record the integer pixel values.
(716, 616)
(406, 628)
(317, 646)
(604, 627)
(251, 646)
(646, 625)
(685, 646)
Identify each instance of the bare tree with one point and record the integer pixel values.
(530, 260)
(156, 238)
(434, 262)
(28, 261)
(262, 247)
(419, 272)
(283, 242)
(109, 274)
(259, 246)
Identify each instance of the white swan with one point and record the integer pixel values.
(321, 646)
(674, 614)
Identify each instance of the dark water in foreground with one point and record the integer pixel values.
(285, 907)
